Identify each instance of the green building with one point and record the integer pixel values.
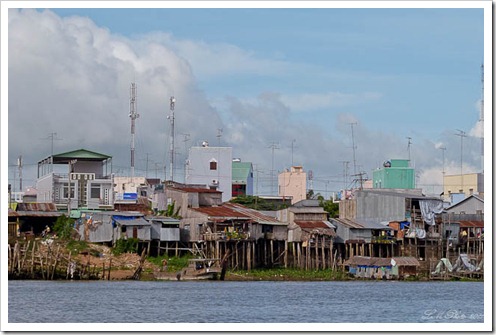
(395, 173)
(242, 178)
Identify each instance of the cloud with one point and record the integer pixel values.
(72, 77)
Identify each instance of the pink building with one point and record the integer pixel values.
(293, 183)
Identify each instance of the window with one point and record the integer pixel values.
(66, 191)
(95, 191)
(213, 164)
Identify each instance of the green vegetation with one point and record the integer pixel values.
(63, 227)
(289, 274)
(125, 245)
(171, 211)
(257, 203)
(174, 264)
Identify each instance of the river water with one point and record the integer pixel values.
(244, 302)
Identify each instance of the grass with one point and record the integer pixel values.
(290, 274)
(174, 264)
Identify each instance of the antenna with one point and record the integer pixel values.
(52, 136)
(408, 149)
(219, 134)
(462, 134)
(273, 146)
(292, 149)
(443, 149)
(171, 118)
(133, 115)
(353, 146)
(185, 140)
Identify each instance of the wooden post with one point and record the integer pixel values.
(176, 248)
(323, 252)
(32, 259)
(110, 267)
(271, 252)
(298, 250)
(286, 253)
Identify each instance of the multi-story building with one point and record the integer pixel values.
(242, 178)
(293, 183)
(211, 166)
(457, 187)
(76, 179)
(396, 174)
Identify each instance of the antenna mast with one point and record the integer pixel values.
(19, 165)
(273, 146)
(133, 115)
(354, 147)
(408, 148)
(462, 134)
(171, 118)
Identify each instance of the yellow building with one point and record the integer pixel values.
(467, 184)
(293, 183)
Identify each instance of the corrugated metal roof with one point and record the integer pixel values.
(82, 154)
(12, 213)
(471, 224)
(196, 190)
(39, 214)
(360, 225)
(37, 206)
(311, 224)
(255, 215)
(133, 222)
(378, 261)
(230, 211)
(221, 212)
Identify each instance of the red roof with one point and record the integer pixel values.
(220, 211)
(471, 224)
(196, 190)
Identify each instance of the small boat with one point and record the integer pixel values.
(197, 269)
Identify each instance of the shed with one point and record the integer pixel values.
(164, 228)
(132, 227)
(386, 268)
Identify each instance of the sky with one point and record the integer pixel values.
(336, 90)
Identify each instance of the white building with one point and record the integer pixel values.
(211, 166)
(88, 173)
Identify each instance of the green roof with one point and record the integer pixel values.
(241, 171)
(82, 154)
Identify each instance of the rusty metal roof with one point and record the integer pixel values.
(37, 206)
(253, 214)
(471, 224)
(196, 190)
(221, 212)
(311, 224)
(13, 213)
(360, 225)
(230, 211)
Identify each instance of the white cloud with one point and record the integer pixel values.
(72, 77)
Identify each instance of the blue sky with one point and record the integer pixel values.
(260, 75)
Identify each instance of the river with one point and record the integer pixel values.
(245, 302)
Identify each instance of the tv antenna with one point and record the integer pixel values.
(172, 103)
(133, 106)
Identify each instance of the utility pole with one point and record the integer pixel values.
(71, 164)
(133, 115)
(443, 149)
(171, 119)
(462, 134)
(19, 165)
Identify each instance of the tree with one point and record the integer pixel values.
(63, 227)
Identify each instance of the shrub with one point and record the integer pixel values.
(125, 245)
(63, 227)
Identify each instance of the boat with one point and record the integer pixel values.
(197, 269)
